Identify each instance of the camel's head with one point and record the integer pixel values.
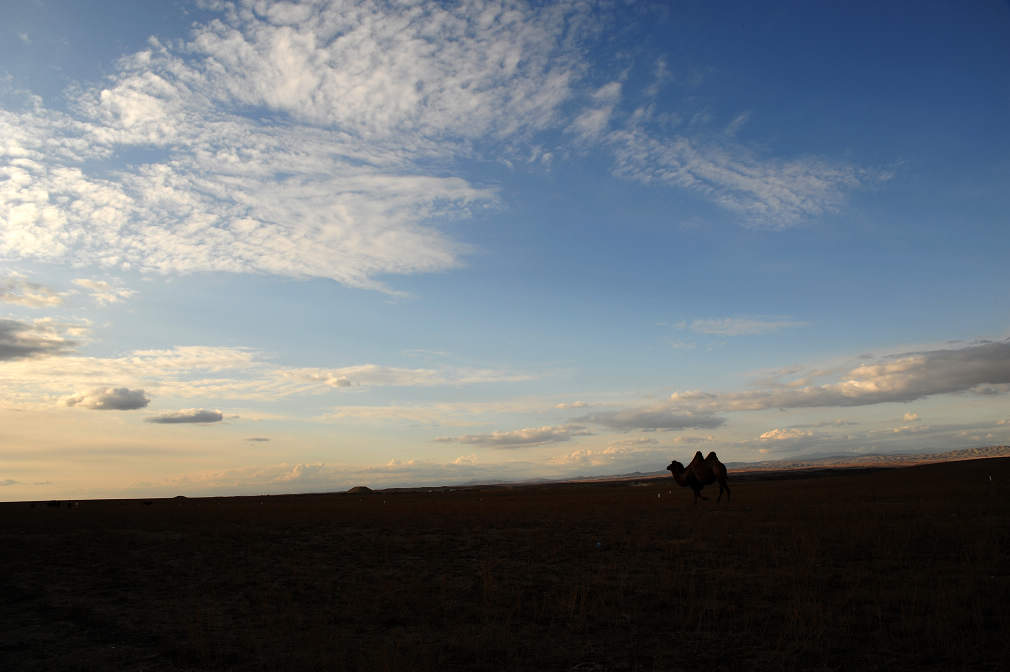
(675, 468)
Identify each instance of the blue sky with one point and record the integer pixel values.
(278, 247)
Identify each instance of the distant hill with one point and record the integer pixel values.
(856, 460)
(845, 461)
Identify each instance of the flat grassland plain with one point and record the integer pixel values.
(897, 569)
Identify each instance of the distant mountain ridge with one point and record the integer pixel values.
(857, 460)
(852, 460)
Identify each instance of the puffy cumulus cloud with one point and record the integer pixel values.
(789, 434)
(17, 289)
(104, 292)
(519, 438)
(111, 399)
(189, 415)
(903, 377)
(334, 180)
(39, 338)
(652, 418)
(911, 417)
(740, 326)
(304, 473)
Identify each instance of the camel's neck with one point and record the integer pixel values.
(680, 478)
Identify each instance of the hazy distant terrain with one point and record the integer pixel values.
(891, 460)
(896, 569)
(833, 462)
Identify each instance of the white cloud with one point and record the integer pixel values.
(376, 375)
(529, 436)
(910, 428)
(785, 434)
(572, 404)
(104, 292)
(620, 455)
(734, 126)
(652, 418)
(111, 398)
(361, 96)
(902, 377)
(208, 372)
(324, 139)
(15, 288)
(439, 413)
(741, 326)
(40, 338)
(186, 416)
(768, 193)
(591, 123)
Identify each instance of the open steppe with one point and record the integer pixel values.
(896, 569)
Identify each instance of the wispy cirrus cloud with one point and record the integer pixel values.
(767, 193)
(740, 326)
(202, 371)
(433, 413)
(519, 438)
(659, 417)
(391, 376)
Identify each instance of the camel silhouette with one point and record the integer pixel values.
(701, 472)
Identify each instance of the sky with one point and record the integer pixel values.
(253, 247)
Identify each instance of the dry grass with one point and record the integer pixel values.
(899, 570)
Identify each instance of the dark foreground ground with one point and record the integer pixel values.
(902, 569)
